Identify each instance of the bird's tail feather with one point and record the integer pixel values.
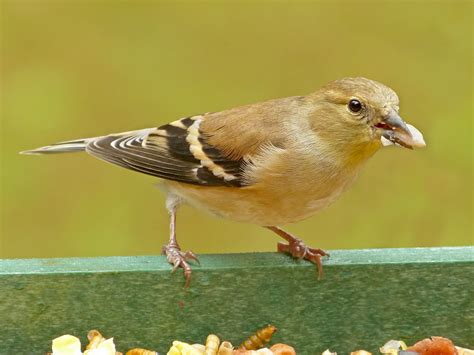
(77, 145)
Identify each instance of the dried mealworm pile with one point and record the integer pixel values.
(254, 345)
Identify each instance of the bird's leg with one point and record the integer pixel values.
(173, 252)
(298, 249)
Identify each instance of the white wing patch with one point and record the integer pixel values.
(196, 149)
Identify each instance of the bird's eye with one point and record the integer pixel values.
(355, 106)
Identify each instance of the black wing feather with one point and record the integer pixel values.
(165, 152)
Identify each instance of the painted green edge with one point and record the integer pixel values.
(236, 261)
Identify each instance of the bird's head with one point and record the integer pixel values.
(358, 116)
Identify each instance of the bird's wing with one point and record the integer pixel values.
(213, 149)
(175, 151)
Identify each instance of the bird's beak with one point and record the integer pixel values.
(394, 130)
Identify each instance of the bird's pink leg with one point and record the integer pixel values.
(173, 252)
(297, 249)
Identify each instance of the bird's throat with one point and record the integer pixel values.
(358, 154)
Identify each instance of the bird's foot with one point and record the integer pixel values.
(297, 249)
(179, 259)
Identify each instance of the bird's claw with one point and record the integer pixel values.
(179, 259)
(297, 249)
(189, 255)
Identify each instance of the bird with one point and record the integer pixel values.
(270, 163)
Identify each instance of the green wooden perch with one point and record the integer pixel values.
(366, 298)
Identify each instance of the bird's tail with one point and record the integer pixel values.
(77, 145)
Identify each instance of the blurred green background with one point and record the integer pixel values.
(74, 69)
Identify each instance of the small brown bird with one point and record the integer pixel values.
(269, 163)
